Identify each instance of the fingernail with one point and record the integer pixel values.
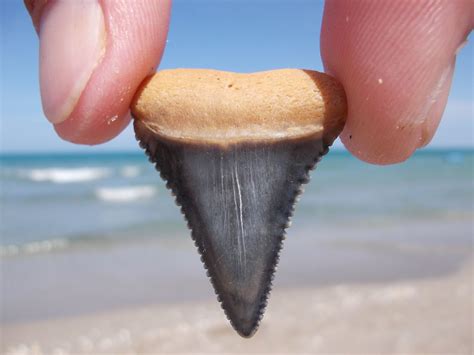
(72, 44)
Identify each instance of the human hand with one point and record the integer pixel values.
(394, 58)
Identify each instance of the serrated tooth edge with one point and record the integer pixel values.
(288, 215)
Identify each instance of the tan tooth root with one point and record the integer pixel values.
(224, 108)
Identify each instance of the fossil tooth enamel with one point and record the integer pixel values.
(235, 149)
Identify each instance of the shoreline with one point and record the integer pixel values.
(425, 315)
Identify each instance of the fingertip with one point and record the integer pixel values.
(97, 110)
(98, 132)
(396, 64)
(389, 139)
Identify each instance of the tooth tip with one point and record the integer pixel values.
(244, 315)
(246, 331)
(243, 311)
(244, 327)
(245, 323)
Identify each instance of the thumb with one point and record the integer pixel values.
(93, 56)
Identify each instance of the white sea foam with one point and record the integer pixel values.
(43, 246)
(130, 171)
(64, 176)
(125, 194)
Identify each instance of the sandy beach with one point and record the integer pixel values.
(420, 316)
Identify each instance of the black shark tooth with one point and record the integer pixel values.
(237, 194)
(238, 201)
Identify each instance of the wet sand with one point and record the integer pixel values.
(431, 315)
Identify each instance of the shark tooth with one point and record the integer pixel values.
(235, 149)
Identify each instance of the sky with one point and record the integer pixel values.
(240, 35)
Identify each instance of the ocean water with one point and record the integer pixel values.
(58, 202)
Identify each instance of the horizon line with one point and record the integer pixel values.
(138, 151)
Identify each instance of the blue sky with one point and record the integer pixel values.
(230, 35)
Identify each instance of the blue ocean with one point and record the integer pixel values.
(59, 201)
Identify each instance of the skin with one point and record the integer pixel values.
(395, 60)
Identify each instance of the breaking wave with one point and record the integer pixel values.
(130, 171)
(125, 194)
(64, 176)
(43, 246)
